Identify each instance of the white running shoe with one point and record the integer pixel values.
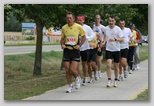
(99, 74)
(84, 82)
(69, 90)
(92, 73)
(130, 71)
(115, 84)
(77, 83)
(125, 74)
(109, 83)
(137, 67)
(96, 78)
(120, 78)
(91, 80)
(80, 79)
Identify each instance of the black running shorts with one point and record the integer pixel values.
(124, 53)
(113, 55)
(92, 55)
(84, 55)
(100, 53)
(71, 55)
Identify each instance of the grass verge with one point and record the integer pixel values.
(19, 82)
(143, 95)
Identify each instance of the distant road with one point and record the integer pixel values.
(29, 49)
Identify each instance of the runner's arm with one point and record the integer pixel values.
(104, 41)
(80, 44)
(62, 43)
(99, 38)
(91, 35)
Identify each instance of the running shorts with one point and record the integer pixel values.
(113, 55)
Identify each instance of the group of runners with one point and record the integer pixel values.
(87, 42)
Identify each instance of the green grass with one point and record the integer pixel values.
(143, 52)
(143, 95)
(19, 82)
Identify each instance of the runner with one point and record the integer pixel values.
(100, 30)
(124, 49)
(84, 49)
(93, 54)
(137, 49)
(71, 49)
(113, 37)
(132, 47)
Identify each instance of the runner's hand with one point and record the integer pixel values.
(63, 46)
(103, 44)
(111, 39)
(77, 47)
(99, 49)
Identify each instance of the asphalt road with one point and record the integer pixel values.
(127, 89)
(9, 50)
(29, 49)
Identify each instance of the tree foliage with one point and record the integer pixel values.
(53, 14)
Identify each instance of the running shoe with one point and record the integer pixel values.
(99, 74)
(130, 71)
(120, 78)
(125, 74)
(96, 78)
(137, 67)
(91, 80)
(69, 90)
(77, 83)
(92, 73)
(109, 83)
(84, 82)
(115, 84)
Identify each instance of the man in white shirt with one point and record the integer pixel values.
(113, 36)
(84, 49)
(124, 49)
(99, 28)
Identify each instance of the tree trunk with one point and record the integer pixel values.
(38, 53)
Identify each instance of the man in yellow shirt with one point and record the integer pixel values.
(94, 48)
(71, 45)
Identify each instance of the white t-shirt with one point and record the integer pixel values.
(113, 33)
(89, 36)
(127, 34)
(98, 29)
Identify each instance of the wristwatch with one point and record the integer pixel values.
(115, 39)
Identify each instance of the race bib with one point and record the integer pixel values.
(70, 40)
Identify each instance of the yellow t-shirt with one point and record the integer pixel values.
(71, 34)
(93, 43)
(134, 38)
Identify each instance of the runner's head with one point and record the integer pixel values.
(132, 26)
(70, 18)
(111, 21)
(91, 25)
(80, 19)
(121, 24)
(97, 19)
